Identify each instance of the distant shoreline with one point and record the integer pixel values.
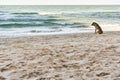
(68, 5)
(60, 34)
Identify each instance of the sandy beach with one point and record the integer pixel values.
(78, 56)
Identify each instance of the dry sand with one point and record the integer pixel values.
(82, 56)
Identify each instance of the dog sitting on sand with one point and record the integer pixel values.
(98, 29)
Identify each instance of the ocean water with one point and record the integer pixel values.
(57, 19)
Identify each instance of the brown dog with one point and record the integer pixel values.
(98, 29)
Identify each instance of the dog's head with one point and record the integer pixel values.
(94, 24)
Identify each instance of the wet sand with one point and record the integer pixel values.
(80, 56)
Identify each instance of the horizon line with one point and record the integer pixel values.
(56, 4)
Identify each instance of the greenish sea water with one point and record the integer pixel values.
(37, 20)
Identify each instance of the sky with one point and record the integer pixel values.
(59, 2)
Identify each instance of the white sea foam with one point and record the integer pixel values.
(111, 27)
(49, 13)
(14, 32)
